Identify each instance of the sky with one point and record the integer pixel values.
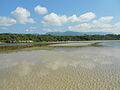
(41, 16)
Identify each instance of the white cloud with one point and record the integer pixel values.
(54, 19)
(57, 20)
(22, 15)
(41, 10)
(6, 21)
(73, 18)
(116, 27)
(87, 17)
(100, 25)
(95, 26)
(80, 27)
(82, 18)
(85, 27)
(106, 19)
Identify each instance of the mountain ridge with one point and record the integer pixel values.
(72, 33)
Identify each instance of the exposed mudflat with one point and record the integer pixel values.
(79, 43)
(86, 68)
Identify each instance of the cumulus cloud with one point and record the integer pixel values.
(82, 18)
(22, 15)
(57, 20)
(87, 17)
(117, 27)
(100, 25)
(106, 19)
(95, 26)
(117, 24)
(74, 18)
(80, 27)
(6, 21)
(85, 27)
(54, 19)
(40, 10)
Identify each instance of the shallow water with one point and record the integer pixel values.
(111, 43)
(19, 44)
(86, 68)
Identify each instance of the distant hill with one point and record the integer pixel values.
(71, 33)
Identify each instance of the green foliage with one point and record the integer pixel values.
(5, 37)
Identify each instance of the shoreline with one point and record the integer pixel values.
(58, 43)
(52, 45)
(81, 43)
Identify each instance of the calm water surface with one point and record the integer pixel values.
(111, 43)
(86, 68)
(16, 44)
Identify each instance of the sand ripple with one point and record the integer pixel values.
(78, 69)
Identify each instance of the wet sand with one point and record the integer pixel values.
(86, 68)
(79, 43)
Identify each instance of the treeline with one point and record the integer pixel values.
(5, 37)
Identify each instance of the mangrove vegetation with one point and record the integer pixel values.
(7, 38)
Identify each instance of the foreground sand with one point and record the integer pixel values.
(86, 68)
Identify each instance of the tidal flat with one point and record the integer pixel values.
(81, 68)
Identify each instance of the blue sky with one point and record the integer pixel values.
(40, 16)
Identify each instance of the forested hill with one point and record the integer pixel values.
(5, 37)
